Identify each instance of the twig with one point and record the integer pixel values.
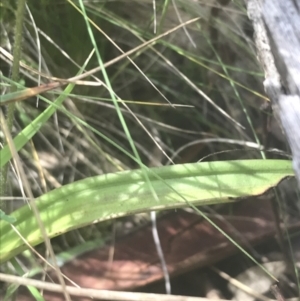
(99, 294)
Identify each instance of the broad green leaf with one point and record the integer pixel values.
(117, 194)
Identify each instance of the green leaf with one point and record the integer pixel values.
(117, 194)
(9, 219)
(26, 134)
(13, 287)
(27, 93)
